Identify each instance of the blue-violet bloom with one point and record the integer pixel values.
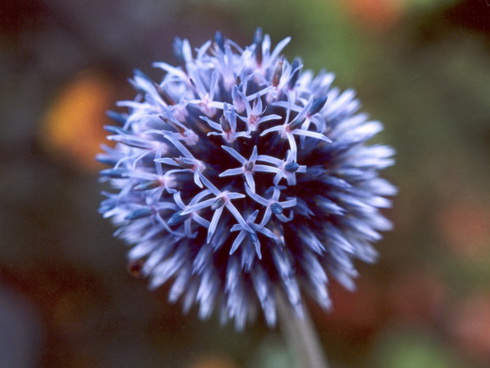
(240, 175)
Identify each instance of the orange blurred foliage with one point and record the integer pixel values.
(355, 316)
(72, 127)
(471, 325)
(417, 297)
(464, 226)
(375, 14)
(213, 361)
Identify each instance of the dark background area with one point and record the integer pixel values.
(422, 67)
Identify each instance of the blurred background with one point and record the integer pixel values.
(420, 66)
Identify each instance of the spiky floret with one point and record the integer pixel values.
(240, 175)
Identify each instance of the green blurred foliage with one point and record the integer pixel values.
(321, 33)
(271, 353)
(409, 349)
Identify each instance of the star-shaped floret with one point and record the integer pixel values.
(252, 235)
(248, 166)
(284, 168)
(273, 205)
(227, 125)
(299, 125)
(216, 204)
(254, 109)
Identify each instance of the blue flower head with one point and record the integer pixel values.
(240, 175)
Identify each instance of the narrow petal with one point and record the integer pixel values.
(235, 154)
(214, 223)
(237, 242)
(231, 172)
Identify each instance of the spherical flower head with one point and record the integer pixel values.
(239, 176)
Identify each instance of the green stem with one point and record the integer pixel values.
(300, 335)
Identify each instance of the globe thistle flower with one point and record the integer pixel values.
(239, 176)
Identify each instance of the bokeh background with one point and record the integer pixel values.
(420, 66)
